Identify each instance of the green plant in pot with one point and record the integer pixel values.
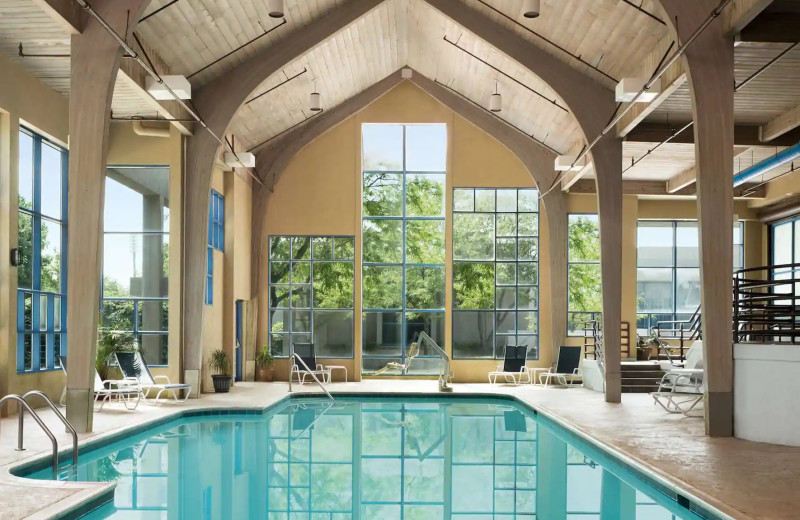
(108, 344)
(220, 364)
(264, 362)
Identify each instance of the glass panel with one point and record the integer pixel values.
(51, 256)
(506, 297)
(43, 309)
(333, 285)
(279, 295)
(484, 200)
(280, 248)
(137, 199)
(528, 321)
(155, 348)
(430, 322)
(426, 148)
(473, 236)
(473, 285)
(506, 249)
(27, 351)
(576, 321)
(583, 288)
(117, 315)
(584, 238)
(301, 297)
(279, 344)
(528, 298)
(153, 316)
(51, 181)
(506, 273)
(27, 316)
(527, 273)
(383, 287)
(507, 200)
(301, 248)
(301, 272)
(133, 265)
(301, 321)
(56, 313)
(279, 320)
(654, 244)
(654, 290)
(383, 241)
(322, 248)
(25, 171)
(25, 268)
(382, 147)
(687, 290)
(381, 333)
(528, 224)
(473, 334)
(687, 245)
(425, 195)
(383, 195)
(529, 249)
(425, 242)
(507, 225)
(279, 272)
(464, 200)
(528, 200)
(343, 248)
(333, 333)
(424, 287)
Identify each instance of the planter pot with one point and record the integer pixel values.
(643, 353)
(222, 383)
(266, 374)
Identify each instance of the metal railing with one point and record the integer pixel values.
(766, 304)
(311, 372)
(20, 431)
(684, 331)
(444, 373)
(52, 406)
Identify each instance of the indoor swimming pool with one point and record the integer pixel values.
(454, 458)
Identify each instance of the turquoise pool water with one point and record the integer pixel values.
(387, 459)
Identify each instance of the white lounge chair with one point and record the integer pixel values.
(681, 389)
(513, 370)
(133, 367)
(567, 368)
(123, 390)
(307, 354)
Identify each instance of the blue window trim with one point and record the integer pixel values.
(216, 239)
(593, 315)
(48, 333)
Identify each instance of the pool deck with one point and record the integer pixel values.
(746, 480)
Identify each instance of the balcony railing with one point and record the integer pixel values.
(765, 304)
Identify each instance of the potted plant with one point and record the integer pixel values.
(264, 362)
(108, 344)
(220, 364)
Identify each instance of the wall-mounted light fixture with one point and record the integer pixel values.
(495, 100)
(16, 257)
(275, 8)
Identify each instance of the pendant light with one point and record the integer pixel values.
(275, 8)
(314, 99)
(495, 100)
(530, 9)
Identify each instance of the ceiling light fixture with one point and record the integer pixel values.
(495, 100)
(530, 9)
(314, 99)
(275, 8)
(178, 84)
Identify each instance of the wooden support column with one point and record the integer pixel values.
(710, 67)
(95, 61)
(607, 157)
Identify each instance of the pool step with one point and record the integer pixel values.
(640, 377)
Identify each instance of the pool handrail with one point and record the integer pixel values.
(298, 358)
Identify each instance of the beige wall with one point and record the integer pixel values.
(24, 100)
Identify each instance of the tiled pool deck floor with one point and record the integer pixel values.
(744, 479)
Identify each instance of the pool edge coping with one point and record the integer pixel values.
(89, 490)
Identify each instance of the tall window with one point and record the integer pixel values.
(584, 296)
(495, 271)
(41, 275)
(216, 238)
(136, 258)
(311, 285)
(403, 235)
(668, 270)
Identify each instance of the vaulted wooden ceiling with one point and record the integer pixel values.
(603, 39)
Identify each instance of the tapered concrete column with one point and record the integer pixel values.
(94, 64)
(709, 62)
(556, 212)
(607, 157)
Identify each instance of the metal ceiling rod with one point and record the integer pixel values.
(547, 40)
(656, 147)
(158, 10)
(643, 11)
(134, 55)
(287, 80)
(656, 75)
(22, 54)
(262, 143)
(151, 119)
(240, 47)
(494, 114)
(515, 80)
(769, 64)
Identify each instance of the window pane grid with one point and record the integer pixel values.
(311, 294)
(584, 297)
(42, 232)
(495, 271)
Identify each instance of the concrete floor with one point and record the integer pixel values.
(743, 479)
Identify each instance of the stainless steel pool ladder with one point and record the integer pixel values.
(23, 401)
(444, 373)
(311, 372)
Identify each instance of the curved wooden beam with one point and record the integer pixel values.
(709, 65)
(592, 105)
(217, 102)
(272, 162)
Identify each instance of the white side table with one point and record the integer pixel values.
(534, 372)
(331, 368)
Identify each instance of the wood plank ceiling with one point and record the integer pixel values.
(605, 39)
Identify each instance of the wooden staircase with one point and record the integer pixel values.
(640, 377)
